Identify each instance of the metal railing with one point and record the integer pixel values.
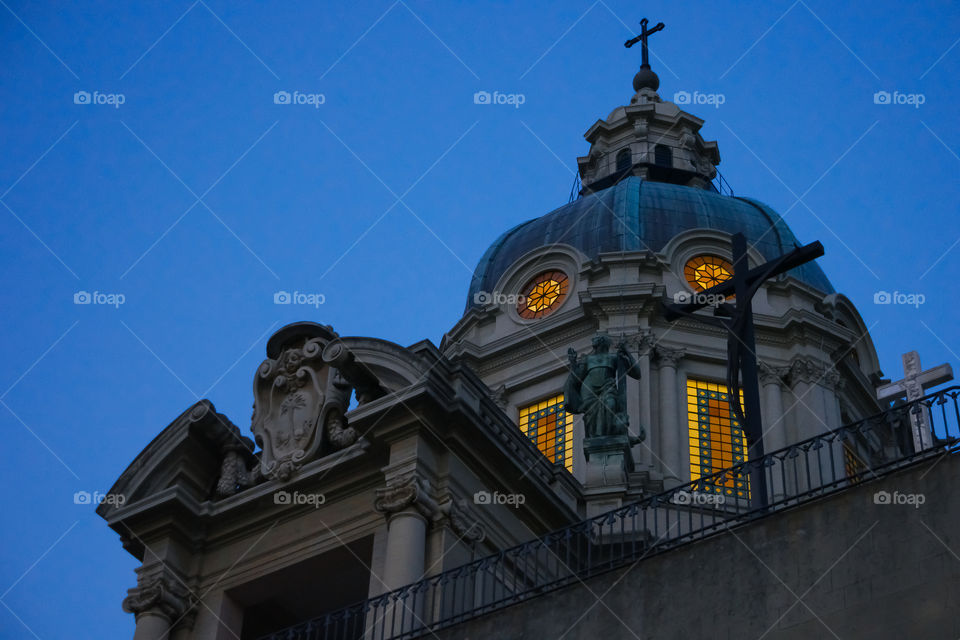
(575, 188)
(796, 474)
(721, 184)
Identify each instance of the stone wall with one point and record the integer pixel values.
(842, 567)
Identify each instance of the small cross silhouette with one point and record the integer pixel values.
(642, 39)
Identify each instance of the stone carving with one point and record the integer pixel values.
(353, 373)
(669, 357)
(769, 374)
(646, 341)
(238, 466)
(403, 493)
(640, 128)
(161, 594)
(338, 432)
(807, 371)
(499, 396)
(596, 388)
(467, 528)
(688, 143)
(236, 471)
(295, 392)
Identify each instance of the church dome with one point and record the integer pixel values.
(639, 215)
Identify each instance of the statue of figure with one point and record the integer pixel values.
(596, 387)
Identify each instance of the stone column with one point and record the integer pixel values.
(645, 414)
(160, 602)
(774, 423)
(408, 509)
(676, 465)
(807, 378)
(835, 384)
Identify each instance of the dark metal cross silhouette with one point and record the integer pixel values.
(737, 319)
(642, 39)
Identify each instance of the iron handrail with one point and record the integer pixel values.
(802, 471)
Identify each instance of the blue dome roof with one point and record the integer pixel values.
(637, 215)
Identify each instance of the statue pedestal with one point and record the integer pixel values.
(608, 461)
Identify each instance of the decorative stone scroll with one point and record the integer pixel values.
(463, 524)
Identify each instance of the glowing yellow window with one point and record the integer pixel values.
(703, 272)
(550, 428)
(852, 463)
(543, 295)
(716, 438)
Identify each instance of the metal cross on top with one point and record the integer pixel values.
(737, 319)
(642, 39)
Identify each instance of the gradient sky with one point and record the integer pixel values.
(198, 198)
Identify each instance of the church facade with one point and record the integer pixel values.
(369, 467)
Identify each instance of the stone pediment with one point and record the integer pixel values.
(187, 454)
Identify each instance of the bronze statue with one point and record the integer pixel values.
(596, 387)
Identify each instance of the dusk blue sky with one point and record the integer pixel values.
(104, 199)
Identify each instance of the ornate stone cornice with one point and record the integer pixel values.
(669, 357)
(404, 494)
(162, 594)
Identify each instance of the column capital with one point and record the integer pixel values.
(773, 375)
(162, 593)
(405, 493)
(804, 370)
(669, 357)
(812, 371)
